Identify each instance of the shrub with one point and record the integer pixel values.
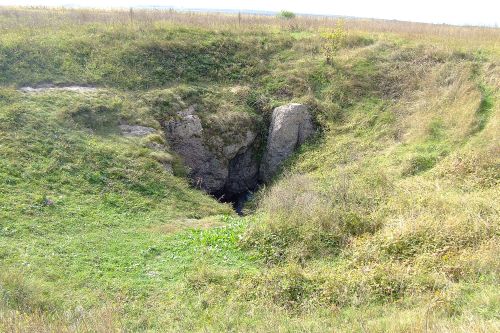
(418, 163)
(287, 15)
(333, 41)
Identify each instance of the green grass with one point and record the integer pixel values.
(387, 221)
(79, 209)
(485, 107)
(133, 58)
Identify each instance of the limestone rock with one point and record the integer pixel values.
(136, 130)
(243, 173)
(290, 127)
(168, 167)
(232, 149)
(51, 87)
(210, 160)
(184, 134)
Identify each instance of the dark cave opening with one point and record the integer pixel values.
(242, 180)
(237, 200)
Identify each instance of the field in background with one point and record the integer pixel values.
(34, 18)
(387, 221)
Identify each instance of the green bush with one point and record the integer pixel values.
(419, 163)
(286, 14)
(333, 41)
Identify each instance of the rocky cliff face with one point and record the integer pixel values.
(215, 165)
(291, 125)
(225, 162)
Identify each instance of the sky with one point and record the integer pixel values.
(466, 12)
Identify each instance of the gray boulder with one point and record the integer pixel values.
(290, 127)
(184, 134)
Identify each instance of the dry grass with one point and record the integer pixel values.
(24, 308)
(78, 322)
(410, 187)
(469, 37)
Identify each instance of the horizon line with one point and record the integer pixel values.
(257, 12)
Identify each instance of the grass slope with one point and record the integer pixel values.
(387, 221)
(88, 215)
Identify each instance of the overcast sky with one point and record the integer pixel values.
(476, 12)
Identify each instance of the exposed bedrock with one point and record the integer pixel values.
(136, 130)
(223, 159)
(290, 127)
(219, 162)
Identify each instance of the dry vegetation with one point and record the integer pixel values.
(37, 17)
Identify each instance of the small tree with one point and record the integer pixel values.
(288, 19)
(287, 15)
(333, 41)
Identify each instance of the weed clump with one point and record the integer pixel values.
(301, 222)
(19, 293)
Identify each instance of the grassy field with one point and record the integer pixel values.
(387, 221)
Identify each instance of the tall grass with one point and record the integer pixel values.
(40, 17)
(376, 212)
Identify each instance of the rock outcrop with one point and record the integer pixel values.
(221, 155)
(290, 126)
(51, 87)
(216, 166)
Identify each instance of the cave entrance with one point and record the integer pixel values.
(237, 200)
(242, 180)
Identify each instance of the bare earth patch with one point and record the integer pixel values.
(50, 87)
